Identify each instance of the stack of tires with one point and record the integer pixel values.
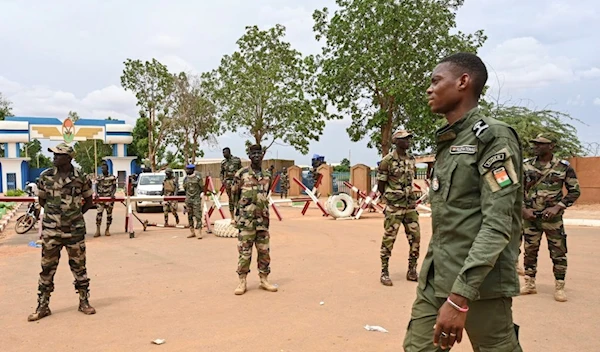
(224, 228)
(346, 202)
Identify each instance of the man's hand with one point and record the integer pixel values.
(551, 212)
(528, 214)
(450, 323)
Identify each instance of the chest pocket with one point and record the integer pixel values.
(462, 188)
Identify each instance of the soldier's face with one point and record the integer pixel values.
(168, 174)
(444, 92)
(402, 143)
(226, 153)
(255, 156)
(61, 160)
(104, 170)
(189, 171)
(540, 149)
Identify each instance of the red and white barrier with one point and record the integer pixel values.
(209, 186)
(271, 202)
(374, 202)
(312, 196)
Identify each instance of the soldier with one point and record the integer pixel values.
(193, 187)
(170, 189)
(395, 182)
(229, 166)
(65, 193)
(476, 198)
(284, 183)
(106, 186)
(251, 187)
(545, 177)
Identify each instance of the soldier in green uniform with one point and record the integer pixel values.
(229, 166)
(251, 186)
(284, 184)
(106, 186)
(468, 276)
(170, 189)
(193, 187)
(395, 182)
(545, 178)
(65, 193)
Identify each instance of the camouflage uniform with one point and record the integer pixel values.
(252, 218)
(544, 189)
(284, 184)
(400, 198)
(170, 189)
(229, 167)
(106, 186)
(63, 207)
(192, 185)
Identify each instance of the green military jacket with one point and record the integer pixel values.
(228, 169)
(169, 186)
(398, 173)
(106, 186)
(253, 205)
(64, 202)
(544, 184)
(476, 198)
(284, 181)
(193, 187)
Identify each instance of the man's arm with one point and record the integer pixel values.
(382, 175)
(86, 193)
(501, 185)
(572, 186)
(42, 193)
(113, 190)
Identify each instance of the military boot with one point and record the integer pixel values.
(529, 287)
(43, 309)
(192, 232)
(97, 234)
(411, 274)
(200, 233)
(265, 285)
(241, 288)
(166, 220)
(385, 278)
(107, 232)
(84, 304)
(559, 291)
(176, 219)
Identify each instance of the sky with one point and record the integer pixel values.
(60, 55)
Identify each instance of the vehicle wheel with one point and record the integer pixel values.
(223, 228)
(138, 209)
(24, 224)
(347, 206)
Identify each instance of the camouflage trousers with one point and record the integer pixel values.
(557, 245)
(230, 199)
(101, 208)
(393, 219)
(170, 207)
(194, 211)
(246, 240)
(51, 248)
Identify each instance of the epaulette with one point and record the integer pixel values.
(527, 160)
(564, 162)
(479, 129)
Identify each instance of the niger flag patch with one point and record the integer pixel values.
(502, 178)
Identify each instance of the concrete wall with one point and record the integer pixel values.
(588, 173)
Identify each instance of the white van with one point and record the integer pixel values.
(149, 184)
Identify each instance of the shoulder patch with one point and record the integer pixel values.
(494, 158)
(564, 162)
(463, 149)
(479, 127)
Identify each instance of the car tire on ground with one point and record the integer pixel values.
(348, 206)
(138, 209)
(223, 228)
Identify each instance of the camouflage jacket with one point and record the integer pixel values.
(169, 186)
(64, 202)
(284, 181)
(193, 187)
(544, 184)
(229, 167)
(253, 205)
(398, 173)
(106, 186)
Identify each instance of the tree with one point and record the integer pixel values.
(153, 87)
(89, 153)
(529, 123)
(5, 107)
(139, 145)
(343, 167)
(194, 118)
(266, 89)
(33, 150)
(377, 61)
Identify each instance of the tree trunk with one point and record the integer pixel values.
(386, 136)
(151, 150)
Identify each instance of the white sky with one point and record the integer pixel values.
(68, 55)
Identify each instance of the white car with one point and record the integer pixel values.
(149, 184)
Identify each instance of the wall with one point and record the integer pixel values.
(588, 174)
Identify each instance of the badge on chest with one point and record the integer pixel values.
(435, 184)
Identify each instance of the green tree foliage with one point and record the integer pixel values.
(153, 87)
(89, 154)
(529, 123)
(265, 89)
(194, 118)
(377, 61)
(33, 150)
(5, 110)
(344, 166)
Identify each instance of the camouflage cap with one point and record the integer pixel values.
(169, 170)
(399, 134)
(63, 148)
(546, 138)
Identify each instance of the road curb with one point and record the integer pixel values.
(582, 222)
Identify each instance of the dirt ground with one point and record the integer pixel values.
(163, 285)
